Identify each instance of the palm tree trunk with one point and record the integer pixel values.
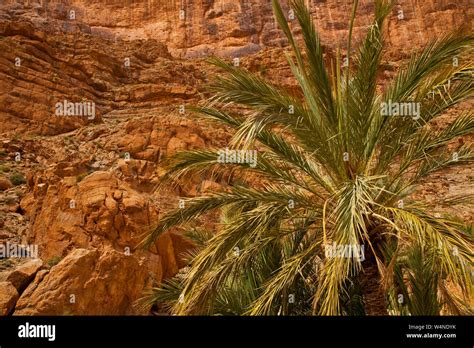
(375, 301)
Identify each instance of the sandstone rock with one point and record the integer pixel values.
(108, 216)
(175, 145)
(37, 280)
(87, 282)
(5, 184)
(8, 298)
(235, 28)
(97, 75)
(100, 208)
(22, 275)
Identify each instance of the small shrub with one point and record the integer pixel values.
(5, 263)
(4, 168)
(11, 199)
(53, 261)
(81, 176)
(17, 179)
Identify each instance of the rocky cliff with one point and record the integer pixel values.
(193, 28)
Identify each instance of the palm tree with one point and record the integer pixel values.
(337, 165)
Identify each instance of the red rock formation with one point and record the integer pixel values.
(8, 297)
(86, 282)
(41, 70)
(227, 27)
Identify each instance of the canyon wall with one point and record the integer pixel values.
(193, 28)
(127, 55)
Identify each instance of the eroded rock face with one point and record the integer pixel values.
(41, 71)
(235, 28)
(8, 297)
(87, 282)
(22, 275)
(98, 210)
(5, 183)
(120, 56)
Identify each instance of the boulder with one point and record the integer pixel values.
(23, 274)
(5, 184)
(87, 282)
(8, 297)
